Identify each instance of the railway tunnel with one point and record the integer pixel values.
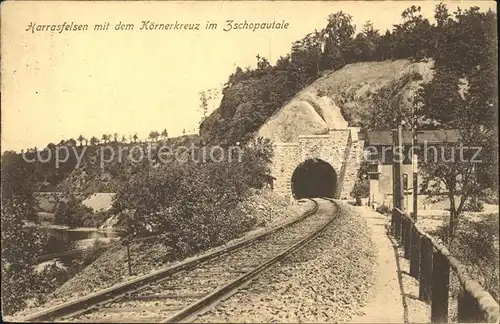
(314, 178)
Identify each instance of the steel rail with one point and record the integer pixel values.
(189, 313)
(94, 300)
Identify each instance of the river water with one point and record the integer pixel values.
(67, 234)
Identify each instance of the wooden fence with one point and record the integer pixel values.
(430, 263)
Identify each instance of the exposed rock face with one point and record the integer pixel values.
(306, 114)
(339, 99)
(327, 114)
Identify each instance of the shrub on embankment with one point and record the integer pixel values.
(476, 246)
(51, 277)
(193, 202)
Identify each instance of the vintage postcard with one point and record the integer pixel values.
(249, 161)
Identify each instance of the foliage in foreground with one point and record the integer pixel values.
(51, 276)
(476, 246)
(19, 249)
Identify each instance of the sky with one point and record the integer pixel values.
(57, 86)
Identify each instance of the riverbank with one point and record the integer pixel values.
(75, 234)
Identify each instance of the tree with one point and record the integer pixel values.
(361, 190)
(18, 182)
(451, 168)
(115, 137)
(385, 50)
(415, 37)
(235, 77)
(442, 15)
(464, 90)
(20, 246)
(203, 105)
(338, 32)
(390, 104)
(72, 213)
(154, 135)
(124, 139)
(283, 63)
(468, 104)
(194, 204)
(135, 137)
(81, 139)
(479, 28)
(94, 141)
(441, 99)
(164, 134)
(307, 53)
(364, 46)
(71, 142)
(207, 96)
(105, 138)
(262, 63)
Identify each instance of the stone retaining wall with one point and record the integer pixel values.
(341, 148)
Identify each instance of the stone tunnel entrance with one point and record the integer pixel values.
(314, 178)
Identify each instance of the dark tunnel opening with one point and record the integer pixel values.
(314, 178)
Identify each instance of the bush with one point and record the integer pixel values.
(49, 278)
(490, 196)
(473, 205)
(74, 214)
(361, 190)
(52, 276)
(87, 257)
(20, 246)
(383, 210)
(476, 246)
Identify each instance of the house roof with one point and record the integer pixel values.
(427, 136)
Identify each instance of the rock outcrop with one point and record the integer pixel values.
(307, 113)
(340, 99)
(326, 117)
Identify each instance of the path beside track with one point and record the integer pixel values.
(393, 298)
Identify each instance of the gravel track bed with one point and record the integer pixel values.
(110, 269)
(167, 297)
(326, 281)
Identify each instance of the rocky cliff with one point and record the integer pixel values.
(342, 98)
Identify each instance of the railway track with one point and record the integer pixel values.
(183, 291)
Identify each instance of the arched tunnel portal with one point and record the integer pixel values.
(314, 178)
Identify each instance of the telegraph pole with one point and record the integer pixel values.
(414, 158)
(394, 133)
(400, 161)
(397, 163)
(397, 184)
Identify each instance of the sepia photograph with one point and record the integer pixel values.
(249, 162)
